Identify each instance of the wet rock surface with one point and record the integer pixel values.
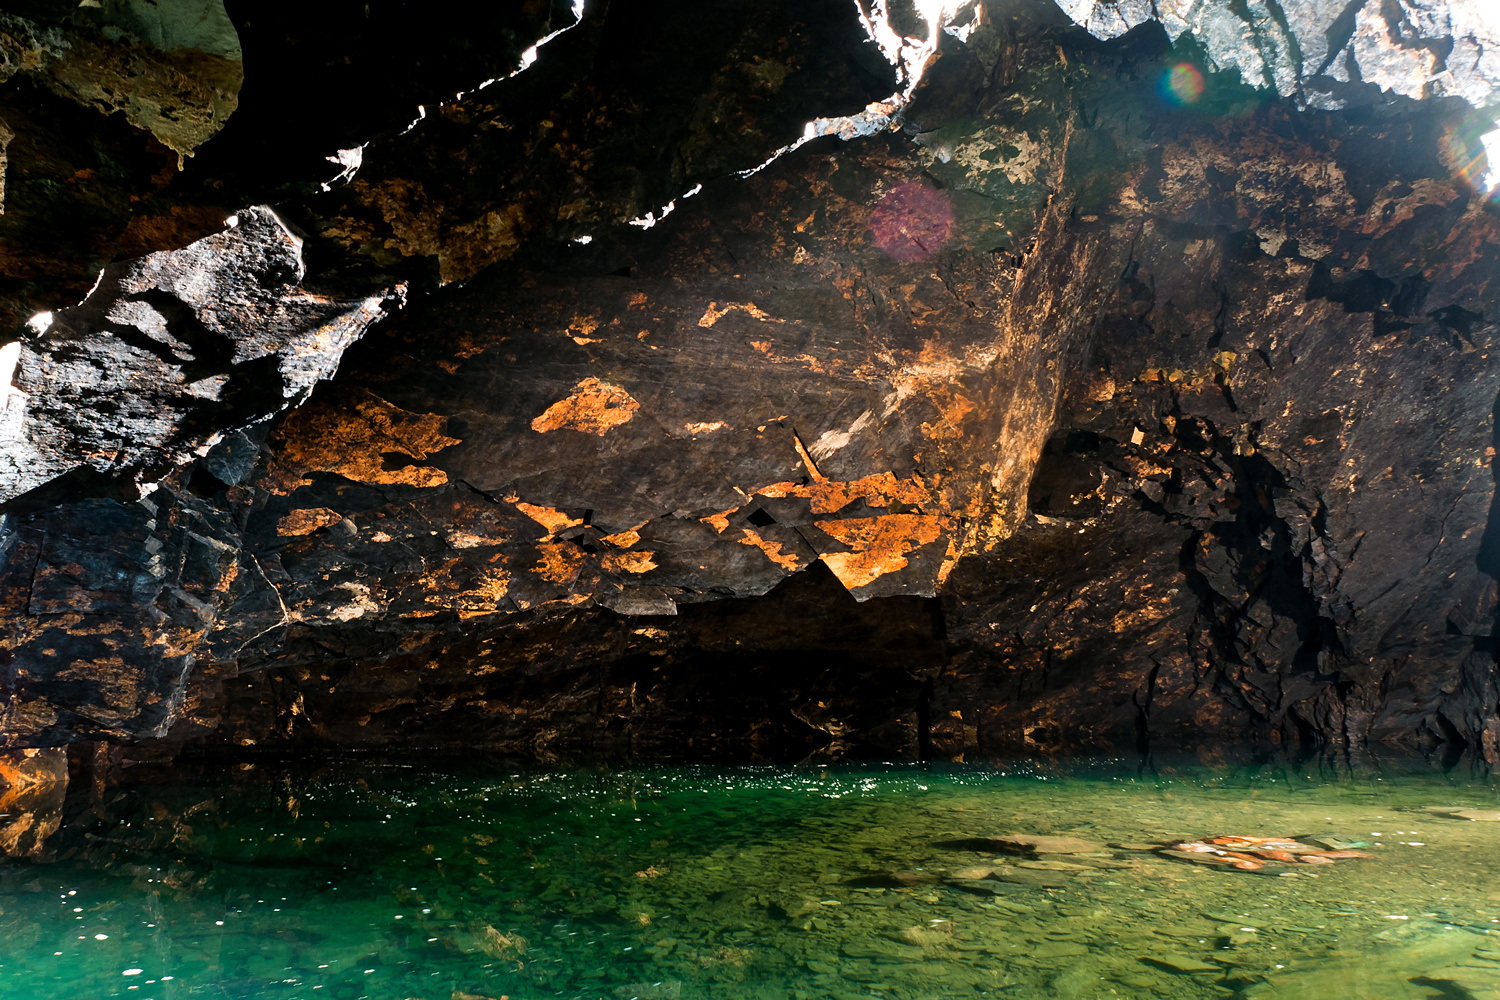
(1060, 412)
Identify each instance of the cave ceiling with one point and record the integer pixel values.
(780, 377)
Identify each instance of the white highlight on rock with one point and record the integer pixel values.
(1491, 142)
(40, 323)
(12, 404)
(1285, 45)
(528, 57)
(421, 113)
(651, 218)
(1108, 18)
(831, 441)
(962, 32)
(351, 160)
(10, 354)
(908, 55)
(584, 239)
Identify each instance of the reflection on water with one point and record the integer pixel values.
(1019, 880)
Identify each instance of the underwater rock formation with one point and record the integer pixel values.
(1117, 391)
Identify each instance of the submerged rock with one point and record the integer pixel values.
(1030, 844)
(1473, 815)
(665, 990)
(1059, 949)
(1176, 962)
(995, 885)
(1036, 879)
(880, 949)
(1335, 842)
(970, 874)
(1266, 855)
(896, 880)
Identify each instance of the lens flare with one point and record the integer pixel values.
(912, 222)
(1471, 150)
(1182, 84)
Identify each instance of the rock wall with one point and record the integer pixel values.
(1088, 392)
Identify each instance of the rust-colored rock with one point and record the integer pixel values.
(33, 787)
(593, 407)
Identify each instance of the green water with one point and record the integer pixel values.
(363, 880)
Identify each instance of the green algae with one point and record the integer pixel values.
(804, 882)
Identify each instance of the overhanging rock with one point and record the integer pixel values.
(1319, 50)
(168, 353)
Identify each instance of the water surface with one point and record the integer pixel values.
(378, 880)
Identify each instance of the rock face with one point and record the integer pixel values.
(1322, 51)
(167, 354)
(1066, 413)
(100, 104)
(172, 67)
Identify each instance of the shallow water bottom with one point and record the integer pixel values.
(363, 880)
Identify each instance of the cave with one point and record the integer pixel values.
(458, 430)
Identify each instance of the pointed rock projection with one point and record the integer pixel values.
(167, 354)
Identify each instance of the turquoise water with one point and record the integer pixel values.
(376, 880)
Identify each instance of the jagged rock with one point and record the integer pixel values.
(173, 67)
(611, 124)
(1176, 429)
(84, 189)
(1315, 49)
(106, 605)
(167, 354)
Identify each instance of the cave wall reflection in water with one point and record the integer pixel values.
(361, 878)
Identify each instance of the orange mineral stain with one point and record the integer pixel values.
(305, 522)
(714, 313)
(593, 408)
(785, 560)
(351, 437)
(628, 562)
(550, 518)
(879, 545)
(559, 562)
